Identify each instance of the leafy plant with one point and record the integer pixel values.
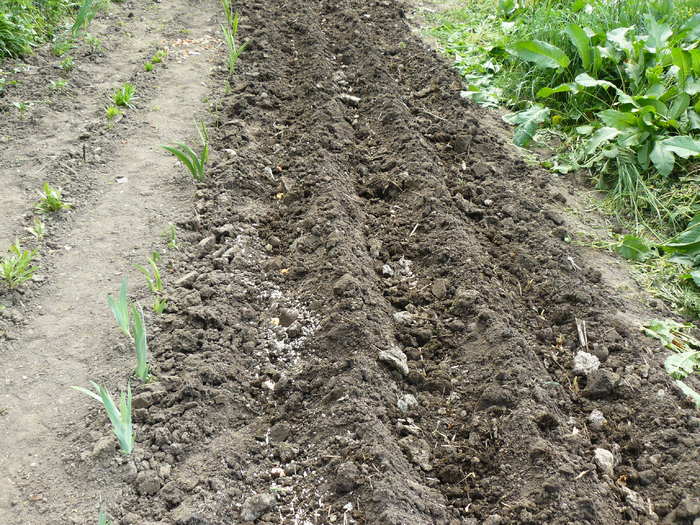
(120, 308)
(155, 283)
(86, 12)
(148, 66)
(195, 163)
(686, 359)
(159, 305)
(37, 229)
(159, 56)
(124, 95)
(140, 343)
(170, 236)
(121, 419)
(16, 268)
(67, 64)
(230, 32)
(112, 112)
(94, 43)
(61, 47)
(58, 84)
(51, 200)
(22, 107)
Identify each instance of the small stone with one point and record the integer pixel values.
(164, 470)
(407, 402)
(596, 419)
(187, 280)
(280, 432)
(600, 384)
(287, 316)
(103, 447)
(277, 472)
(387, 271)
(345, 284)
(206, 244)
(347, 478)
(439, 288)
(585, 363)
(605, 461)
(395, 358)
(147, 483)
(349, 99)
(403, 317)
(257, 505)
(143, 400)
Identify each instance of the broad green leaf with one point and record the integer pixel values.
(689, 392)
(662, 158)
(691, 29)
(681, 365)
(541, 53)
(586, 80)
(601, 136)
(694, 119)
(618, 36)
(618, 119)
(527, 122)
(582, 42)
(684, 240)
(658, 34)
(635, 249)
(667, 331)
(683, 146)
(680, 104)
(682, 60)
(561, 88)
(695, 60)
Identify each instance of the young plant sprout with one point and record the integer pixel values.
(120, 308)
(140, 343)
(51, 200)
(195, 163)
(16, 268)
(121, 420)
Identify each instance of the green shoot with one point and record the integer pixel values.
(87, 11)
(120, 308)
(37, 229)
(170, 235)
(124, 95)
(16, 268)
(196, 164)
(159, 56)
(230, 32)
(120, 418)
(51, 200)
(148, 66)
(112, 112)
(142, 369)
(67, 64)
(22, 107)
(159, 305)
(94, 43)
(155, 283)
(62, 47)
(58, 84)
(102, 518)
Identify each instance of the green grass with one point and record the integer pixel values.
(618, 85)
(194, 162)
(120, 308)
(124, 95)
(230, 32)
(112, 112)
(25, 24)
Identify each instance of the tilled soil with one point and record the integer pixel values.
(376, 318)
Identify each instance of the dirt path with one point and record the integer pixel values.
(374, 317)
(122, 208)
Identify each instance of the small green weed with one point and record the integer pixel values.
(230, 32)
(148, 66)
(59, 84)
(122, 424)
(16, 268)
(159, 56)
(94, 43)
(22, 108)
(61, 47)
(86, 12)
(37, 229)
(159, 305)
(67, 64)
(112, 112)
(51, 200)
(124, 95)
(170, 236)
(120, 308)
(155, 283)
(102, 518)
(195, 163)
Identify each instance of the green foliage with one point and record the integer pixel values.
(686, 359)
(160, 304)
(148, 66)
(120, 308)
(112, 112)
(195, 163)
(86, 12)
(635, 248)
(159, 56)
(230, 31)
(140, 343)
(124, 95)
(25, 24)
(102, 518)
(51, 200)
(155, 283)
(37, 229)
(527, 122)
(16, 267)
(120, 417)
(67, 64)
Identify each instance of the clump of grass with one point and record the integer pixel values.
(230, 31)
(37, 229)
(59, 84)
(67, 64)
(155, 283)
(148, 66)
(112, 112)
(194, 162)
(121, 419)
(159, 305)
(16, 267)
(51, 200)
(124, 95)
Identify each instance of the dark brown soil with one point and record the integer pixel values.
(375, 317)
